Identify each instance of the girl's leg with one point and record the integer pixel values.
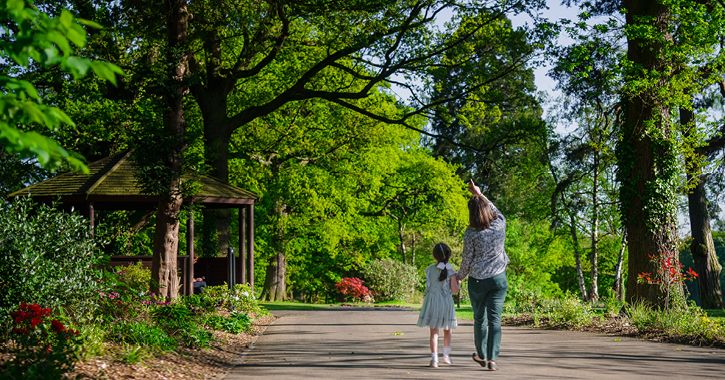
(447, 346)
(434, 340)
(434, 348)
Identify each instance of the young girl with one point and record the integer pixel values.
(438, 310)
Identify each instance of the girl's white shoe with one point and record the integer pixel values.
(434, 363)
(446, 359)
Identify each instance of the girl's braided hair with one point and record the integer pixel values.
(442, 253)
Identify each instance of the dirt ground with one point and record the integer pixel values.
(181, 364)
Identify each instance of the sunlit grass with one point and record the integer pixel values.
(464, 312)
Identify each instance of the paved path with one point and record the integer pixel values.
(385, 344)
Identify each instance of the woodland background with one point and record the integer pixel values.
(299, 102)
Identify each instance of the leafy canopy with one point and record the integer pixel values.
(33, 36)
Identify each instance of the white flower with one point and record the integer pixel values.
(246, 294)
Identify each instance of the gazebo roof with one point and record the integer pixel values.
(111, 184)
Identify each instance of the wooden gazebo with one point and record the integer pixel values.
(112, 185)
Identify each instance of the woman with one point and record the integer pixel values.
(485, 260)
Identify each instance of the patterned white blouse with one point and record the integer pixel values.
(483, 251)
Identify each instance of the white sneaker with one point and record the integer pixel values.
(446, 359)
(434, 363)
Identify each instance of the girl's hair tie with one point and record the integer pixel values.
(442, 266)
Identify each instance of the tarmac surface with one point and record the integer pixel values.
(373, 343)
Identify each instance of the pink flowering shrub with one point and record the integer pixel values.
(352, 287)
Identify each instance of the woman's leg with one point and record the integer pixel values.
(494, 307)
(433, 340)
(477, 293)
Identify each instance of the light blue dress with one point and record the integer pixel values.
(438, 310)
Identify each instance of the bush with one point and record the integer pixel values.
(135, 277)
(49, 257)
(42, 348)
(572, 312)
(239, 299)
(143, 334)
(237, 323)
(353, 288)
(183, 323)
(390, 279)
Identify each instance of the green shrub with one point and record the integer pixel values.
(183, 324)
(390, 279)
(143, 334)
(198, 305)
(237, 323)
(239, 299)
(135, 277)
(41, 347)
(642, 315)
(48, 257)
(572, 311)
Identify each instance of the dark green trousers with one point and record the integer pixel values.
(487, 298)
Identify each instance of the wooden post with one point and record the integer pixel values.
(190, 251)
(250, 245)
(230, 267)
(241, 267)
(91, 217)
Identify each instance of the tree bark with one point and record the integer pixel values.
(401, 229)
(594, 293)
(166, 237)
(643, 156)
(275, 281)
(702, 247)
(703, 250)
(216, 152)
(577, 257)
(618, 269)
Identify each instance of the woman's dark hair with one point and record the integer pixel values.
(442, 253)
(480, 213)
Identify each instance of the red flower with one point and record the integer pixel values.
(35, 321)
(56, 326)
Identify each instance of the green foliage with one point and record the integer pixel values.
(180, 322)
(237, 323)
(41, 348)
(33, 36)
(390, 279)
(144, 334)
(536, 254)
(135, 277)
(572, 311)
(239, 299)
(641, 315)
(49, 257)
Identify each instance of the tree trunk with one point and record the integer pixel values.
(577, 257)
(217, 135)
(594, 294)
(166, 237)
(401, 229)
(618, 269)
(275, 281)
(646, 156)
(703, 248)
